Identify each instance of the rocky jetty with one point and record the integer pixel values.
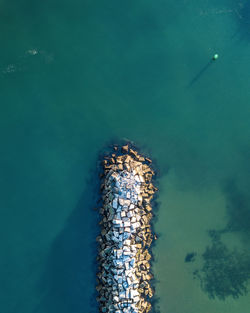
(124, 259)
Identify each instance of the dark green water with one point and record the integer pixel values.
(74, 75)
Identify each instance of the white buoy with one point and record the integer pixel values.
(216, 56)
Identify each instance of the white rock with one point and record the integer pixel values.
(127, 242)
(115, 203)
(137, 178)
(131, 207)
(116, 234)
(116, 299)
(117, 222)
(127, 224)
(133, 219)
(142, 180)
(119, 253)
(130, 214)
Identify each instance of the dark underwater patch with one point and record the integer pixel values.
(238, 209)
(225, 273)
(190, 257)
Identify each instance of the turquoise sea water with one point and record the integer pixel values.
(77, 75)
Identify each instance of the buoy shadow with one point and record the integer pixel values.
(200, 73)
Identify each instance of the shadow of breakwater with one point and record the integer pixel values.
(68, 283)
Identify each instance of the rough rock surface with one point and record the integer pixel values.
(124, 260)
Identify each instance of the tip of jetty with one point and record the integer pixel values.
(124, 259)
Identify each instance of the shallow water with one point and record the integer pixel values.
(76, 76)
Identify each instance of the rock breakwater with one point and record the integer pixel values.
(124, 259)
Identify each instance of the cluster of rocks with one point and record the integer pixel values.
(124, 259)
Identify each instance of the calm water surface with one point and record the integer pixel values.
(76, 75)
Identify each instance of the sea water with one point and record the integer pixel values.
(78, 75)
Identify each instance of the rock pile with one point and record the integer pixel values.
(124, 267)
